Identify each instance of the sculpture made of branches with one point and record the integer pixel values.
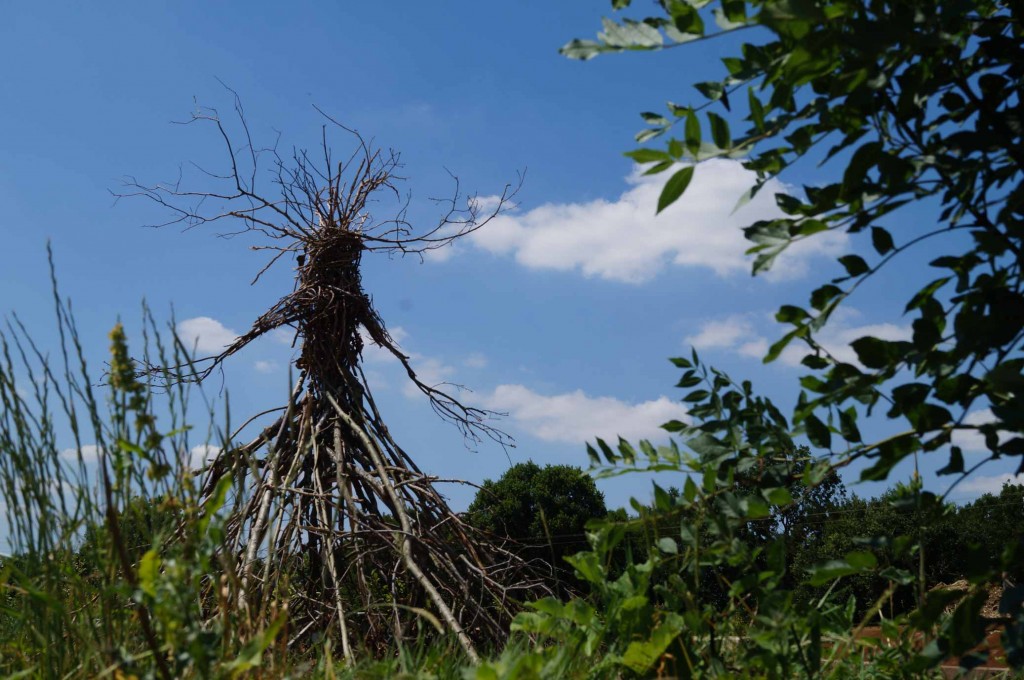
(330, 499)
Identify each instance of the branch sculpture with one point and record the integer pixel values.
(327, 496)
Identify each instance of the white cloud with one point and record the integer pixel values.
(735, 333)
(90, 453)
(575, 418)
(208, 335)
(992, 484)
(624, 239)
(755, 349)
(475, 360)
(266, 366)
(202, 455)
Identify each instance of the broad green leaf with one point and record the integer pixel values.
(675, 187)
(854, 265)
(882, 240)
(818, 432)
(719, 131)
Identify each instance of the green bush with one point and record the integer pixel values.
(543, 510)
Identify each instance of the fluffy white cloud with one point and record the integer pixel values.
(575, 418)
(208, 335)
(624, 239)
(734, 333)
(992, 484)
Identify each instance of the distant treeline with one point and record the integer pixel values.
(546, 510)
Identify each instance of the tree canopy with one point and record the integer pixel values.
(544, 508)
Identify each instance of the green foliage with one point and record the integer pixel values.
(911, 104)
(718, 594)
(115, 566)
(543, 509)
(922, 100)
(530, 502)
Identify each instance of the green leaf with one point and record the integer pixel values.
(864, 158)
(648, 155)
(649, 133)
(630, 34)
(712, 90)
(776, 349)
(668, 545)
(818, 432)
(731, 15)
(956, 462)
(756, 110)
(890, 453)
(675, 187)
(149, 571)
(873, 352)
(588, 566)
(854, 563)
(790, 314)
(848, 425)
(854, 265)
(654, 118)
(779, 496)
(719, 131)
(691, 133)
(882, 240)
(689, 489)
(641, 655)
(659, 168)
(582, 49)
(686, 21)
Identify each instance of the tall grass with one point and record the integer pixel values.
(112, 564)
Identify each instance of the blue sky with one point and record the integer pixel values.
(562, 312)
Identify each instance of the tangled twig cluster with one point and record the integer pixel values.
(330, 502)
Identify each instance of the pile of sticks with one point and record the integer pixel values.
(329, 506)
